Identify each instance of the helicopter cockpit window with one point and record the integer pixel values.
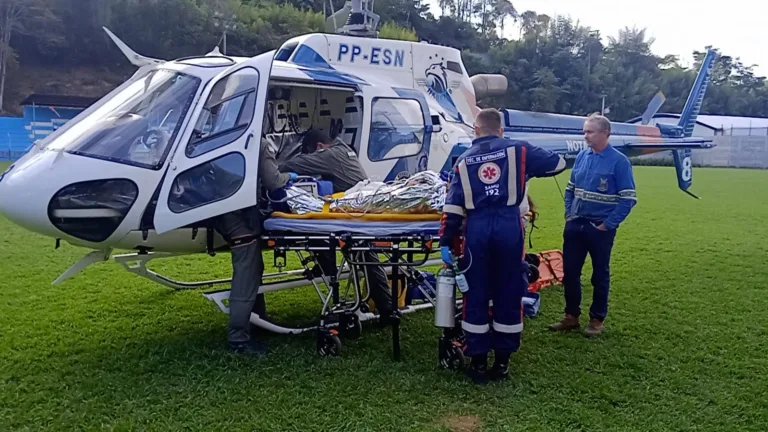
(137, 125)
(226, 114)
(397, 129)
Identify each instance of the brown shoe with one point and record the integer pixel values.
(569, 322)
(594, 328)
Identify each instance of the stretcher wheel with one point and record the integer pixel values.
(533, 259)
(533, 273)
(451, 355)
(328, 344)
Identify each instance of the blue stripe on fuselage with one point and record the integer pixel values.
(314, 65)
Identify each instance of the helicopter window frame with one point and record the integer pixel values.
(374, 158)
(198, 146)
(174, 205)
(172, 139)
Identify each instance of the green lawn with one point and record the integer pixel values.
(684, 349)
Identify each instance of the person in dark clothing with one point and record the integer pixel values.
(334, 160)
(241, 229)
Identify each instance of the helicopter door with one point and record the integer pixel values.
(215, 166)
(399, 130)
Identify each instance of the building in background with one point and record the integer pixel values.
(742, 142)
(43, 114)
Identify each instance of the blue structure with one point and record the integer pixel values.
(43, 114)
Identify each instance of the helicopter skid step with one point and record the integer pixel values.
(136, 263)
(219, 297)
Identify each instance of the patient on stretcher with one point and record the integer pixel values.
(419, 197)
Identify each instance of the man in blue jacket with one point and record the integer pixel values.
(484, 194)
(598, 198)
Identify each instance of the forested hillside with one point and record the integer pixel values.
(58, 46)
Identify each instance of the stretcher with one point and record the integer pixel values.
(405, 241)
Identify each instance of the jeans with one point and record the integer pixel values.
(581, 237)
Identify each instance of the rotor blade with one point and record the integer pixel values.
(135, 58)
(653, 107)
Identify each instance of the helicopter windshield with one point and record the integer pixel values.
(137, 125)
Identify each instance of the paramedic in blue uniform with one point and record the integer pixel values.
(598, 197)
(484, 193)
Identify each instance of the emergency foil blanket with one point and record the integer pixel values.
(422, 193)
(301, 202)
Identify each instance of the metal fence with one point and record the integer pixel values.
(10, 155)
(731, 151)
(743, 131)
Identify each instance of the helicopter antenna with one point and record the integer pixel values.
(358, 17)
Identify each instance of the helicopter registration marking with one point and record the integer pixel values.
(374, 56)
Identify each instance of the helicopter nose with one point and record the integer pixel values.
(21, 202)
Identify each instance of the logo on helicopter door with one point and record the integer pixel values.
(439, 87)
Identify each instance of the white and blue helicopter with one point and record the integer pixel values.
(122, 174)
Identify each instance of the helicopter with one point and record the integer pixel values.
(125, 174)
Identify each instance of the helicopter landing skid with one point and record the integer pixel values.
(136, 263)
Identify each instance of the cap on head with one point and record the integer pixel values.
(488, 122)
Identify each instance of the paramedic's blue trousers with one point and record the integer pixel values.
(493, 248)
(581, 237)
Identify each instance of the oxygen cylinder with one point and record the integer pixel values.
(445, 305)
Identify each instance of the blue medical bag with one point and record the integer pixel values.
(531, 302)
(414, 293)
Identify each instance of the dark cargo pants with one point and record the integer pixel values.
(247, 270)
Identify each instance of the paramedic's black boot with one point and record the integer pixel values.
(478, 369)
(252, 348)
(500, 369)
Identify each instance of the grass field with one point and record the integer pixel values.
(684, 348)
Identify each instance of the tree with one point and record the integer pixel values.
(556, 65)
(504, 10)
(393, 31)
(15, 18)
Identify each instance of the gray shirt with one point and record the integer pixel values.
(338, 164)
(270, 176)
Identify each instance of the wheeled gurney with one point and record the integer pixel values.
(406, 244)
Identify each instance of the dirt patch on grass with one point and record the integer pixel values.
(467, 423)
